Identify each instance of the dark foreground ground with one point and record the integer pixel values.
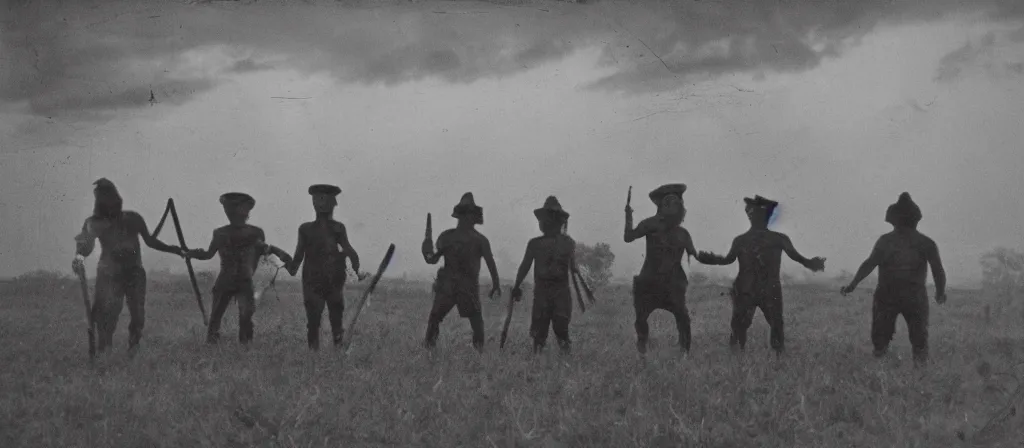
(178, 392)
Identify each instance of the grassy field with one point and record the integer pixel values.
(178, 392)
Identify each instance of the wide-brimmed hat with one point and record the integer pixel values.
(551, 208)
(324, 189)
(466, 206)
(904, 211)
(659, 193)
(235, 199)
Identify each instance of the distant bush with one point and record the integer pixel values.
(41, 282)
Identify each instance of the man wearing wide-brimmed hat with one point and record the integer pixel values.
(120, 274)
(902, 257)
(758, 283)
(662, 282)
(551, 255)
(323, 274)
(458, 281)
(240, 246)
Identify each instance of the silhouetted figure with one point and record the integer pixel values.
(458, 281)
(902, 257)
(662, 282)
(323, 274)
(120, 274)
(240, 246)
(758, 283)
(552, 256)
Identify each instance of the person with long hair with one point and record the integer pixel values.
(662, 283)
(120, 275)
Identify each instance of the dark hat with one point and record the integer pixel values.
(659, 193)
(104, 184)
(904, 211)
(318, 189)
(235, 199)
(761, 202)
(466, 206)
(551, 207)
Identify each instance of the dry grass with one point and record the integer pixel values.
(178, 392)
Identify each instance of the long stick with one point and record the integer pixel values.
(188, 262)
(88, 313)
(575, 285)
(508, 320)
(586, 288)
(369, 289)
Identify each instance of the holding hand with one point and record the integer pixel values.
(517, 294)
(706, 257)
(78, 265)
(816, 264)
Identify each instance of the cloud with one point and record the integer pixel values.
(990, 53)
(104, 57)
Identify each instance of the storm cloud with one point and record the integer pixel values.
(103, 56)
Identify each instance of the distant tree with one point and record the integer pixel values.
(595, 263)
(1003, 273)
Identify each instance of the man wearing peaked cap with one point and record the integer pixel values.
(552, 256)
(458, 281)
(120, 274)
(902, 257)
(758, 283)
(240, 246)
(323, 274)
(242, 201)
(662, 283)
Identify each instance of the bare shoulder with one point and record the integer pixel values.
(480, 238)
(780, 237)
(926, 241)
(132, 215)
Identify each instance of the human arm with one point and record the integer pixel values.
(149, 239)
(711, 258)
(524, 269)
(85, 243)
(873, 260)
(938, 272)
(631, 234)
(816, 264)
(300, 254)
(202, 255)
(429, 255)
(349, 251)
(492, 267)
